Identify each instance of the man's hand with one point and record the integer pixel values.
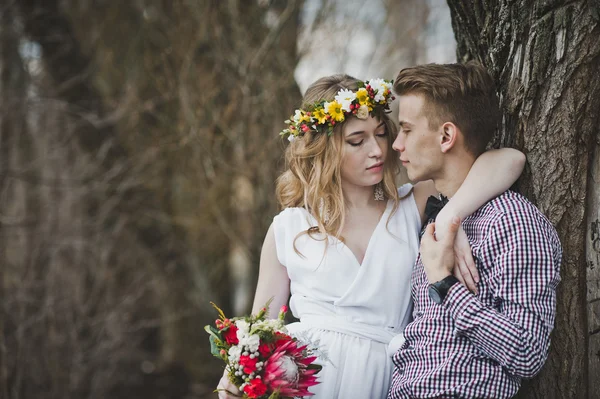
(438, 256)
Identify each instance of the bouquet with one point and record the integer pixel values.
(262, 359)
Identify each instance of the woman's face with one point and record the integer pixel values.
(365, 147)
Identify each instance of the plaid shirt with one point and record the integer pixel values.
(481, 346)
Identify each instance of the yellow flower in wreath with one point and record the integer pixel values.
(335, 110)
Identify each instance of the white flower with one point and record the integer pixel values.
(363, 112)
(297, 116)
(345, 98)
(379, 86)
(290, 369)
(250, 342)
(234, 353)
(266, 325)
(243, 327)
(291, 138)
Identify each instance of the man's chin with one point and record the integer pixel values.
(413, 177)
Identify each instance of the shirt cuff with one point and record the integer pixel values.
(461, 303)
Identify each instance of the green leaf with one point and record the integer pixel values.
(213, 331)
(214, 347)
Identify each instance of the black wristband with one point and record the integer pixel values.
(439, 290)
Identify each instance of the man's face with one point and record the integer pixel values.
(419, 147)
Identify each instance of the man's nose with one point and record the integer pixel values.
(398, 144)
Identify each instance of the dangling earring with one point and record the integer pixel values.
(323, 212)
(378, 193)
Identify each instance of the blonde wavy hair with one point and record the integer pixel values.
(313, 176)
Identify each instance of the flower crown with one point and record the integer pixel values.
(322, 116)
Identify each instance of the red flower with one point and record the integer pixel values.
(281, 338)
(231, 335)
(249, 364)
(255, 388)
(264, 349)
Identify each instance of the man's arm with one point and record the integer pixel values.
(515, 331)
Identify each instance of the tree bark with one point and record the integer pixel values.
(545, 58)
(593, 273)
(12, 87)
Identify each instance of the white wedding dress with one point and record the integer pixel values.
(355, 312)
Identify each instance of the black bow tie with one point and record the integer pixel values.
(434, 206)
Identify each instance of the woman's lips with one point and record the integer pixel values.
(376, 168)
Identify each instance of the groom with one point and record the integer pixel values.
(460, 344)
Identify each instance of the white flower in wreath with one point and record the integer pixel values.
(345, 98)
(379, 86)
(297, 116)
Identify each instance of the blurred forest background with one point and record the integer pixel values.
(139, 149)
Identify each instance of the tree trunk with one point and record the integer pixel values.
(545, 57)
(12, 87)
(593, 273)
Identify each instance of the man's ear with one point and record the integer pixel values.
(449, 136)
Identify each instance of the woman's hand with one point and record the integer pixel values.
(465, 269)
(437, 255)
(226, 389)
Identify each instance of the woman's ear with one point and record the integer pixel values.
(448, 137)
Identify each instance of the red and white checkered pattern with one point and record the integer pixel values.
(481, 346)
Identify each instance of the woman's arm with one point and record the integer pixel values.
(273, 280)
(492, 174)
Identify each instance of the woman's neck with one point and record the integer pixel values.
(358, 197)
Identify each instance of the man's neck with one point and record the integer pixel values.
(453, 175)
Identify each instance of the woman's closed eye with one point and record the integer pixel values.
(355, 144)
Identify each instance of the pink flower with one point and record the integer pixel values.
(255, 388)
(248, 363)
(287, 370)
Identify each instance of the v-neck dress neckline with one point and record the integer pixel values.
(370, 244)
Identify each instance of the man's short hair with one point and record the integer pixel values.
(463, 94)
